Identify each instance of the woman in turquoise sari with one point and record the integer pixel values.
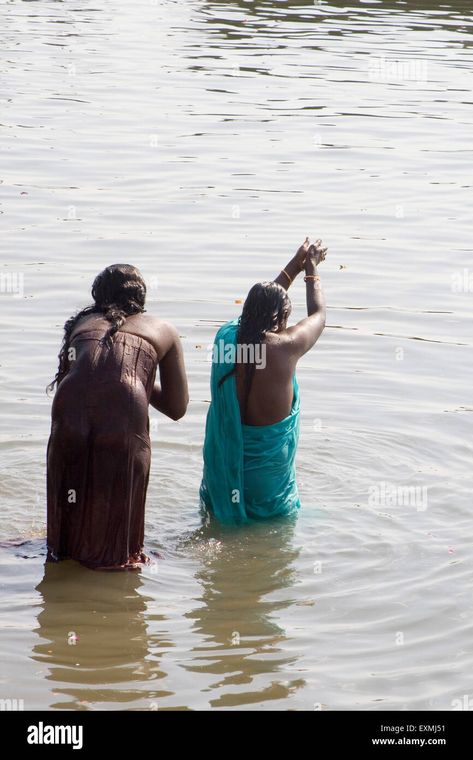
(252, 428)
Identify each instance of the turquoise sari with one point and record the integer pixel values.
(249, 470)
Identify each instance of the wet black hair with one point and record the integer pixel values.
(118, 292)
(266, 309)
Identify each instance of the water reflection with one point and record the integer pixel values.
(244, 22)
(308, 9)
(94, 636)
(247, 578)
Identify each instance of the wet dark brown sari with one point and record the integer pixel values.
(99, 452)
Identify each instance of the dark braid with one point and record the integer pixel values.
(118, 292)
(266, 308)
(63, 356)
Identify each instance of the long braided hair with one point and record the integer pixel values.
(266, 309)
(118, 292)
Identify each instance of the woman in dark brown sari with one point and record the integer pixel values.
(99, 451)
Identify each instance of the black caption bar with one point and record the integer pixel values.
(87, 732)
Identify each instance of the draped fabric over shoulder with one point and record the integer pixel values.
(99, 452)
(249, 471)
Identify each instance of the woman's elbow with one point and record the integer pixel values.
(177, 414)
(179, 410)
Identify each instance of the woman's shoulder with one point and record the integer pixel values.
(156, 325)
(149, 319)
(157, 331)
(91, 320)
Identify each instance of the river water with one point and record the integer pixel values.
(201, 142)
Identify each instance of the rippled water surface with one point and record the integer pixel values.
(202, 141)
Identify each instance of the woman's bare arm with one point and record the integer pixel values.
(287, 275)
(171, 395)
(306, 332)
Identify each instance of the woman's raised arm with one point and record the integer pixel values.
(294, 267)
(306, 332)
